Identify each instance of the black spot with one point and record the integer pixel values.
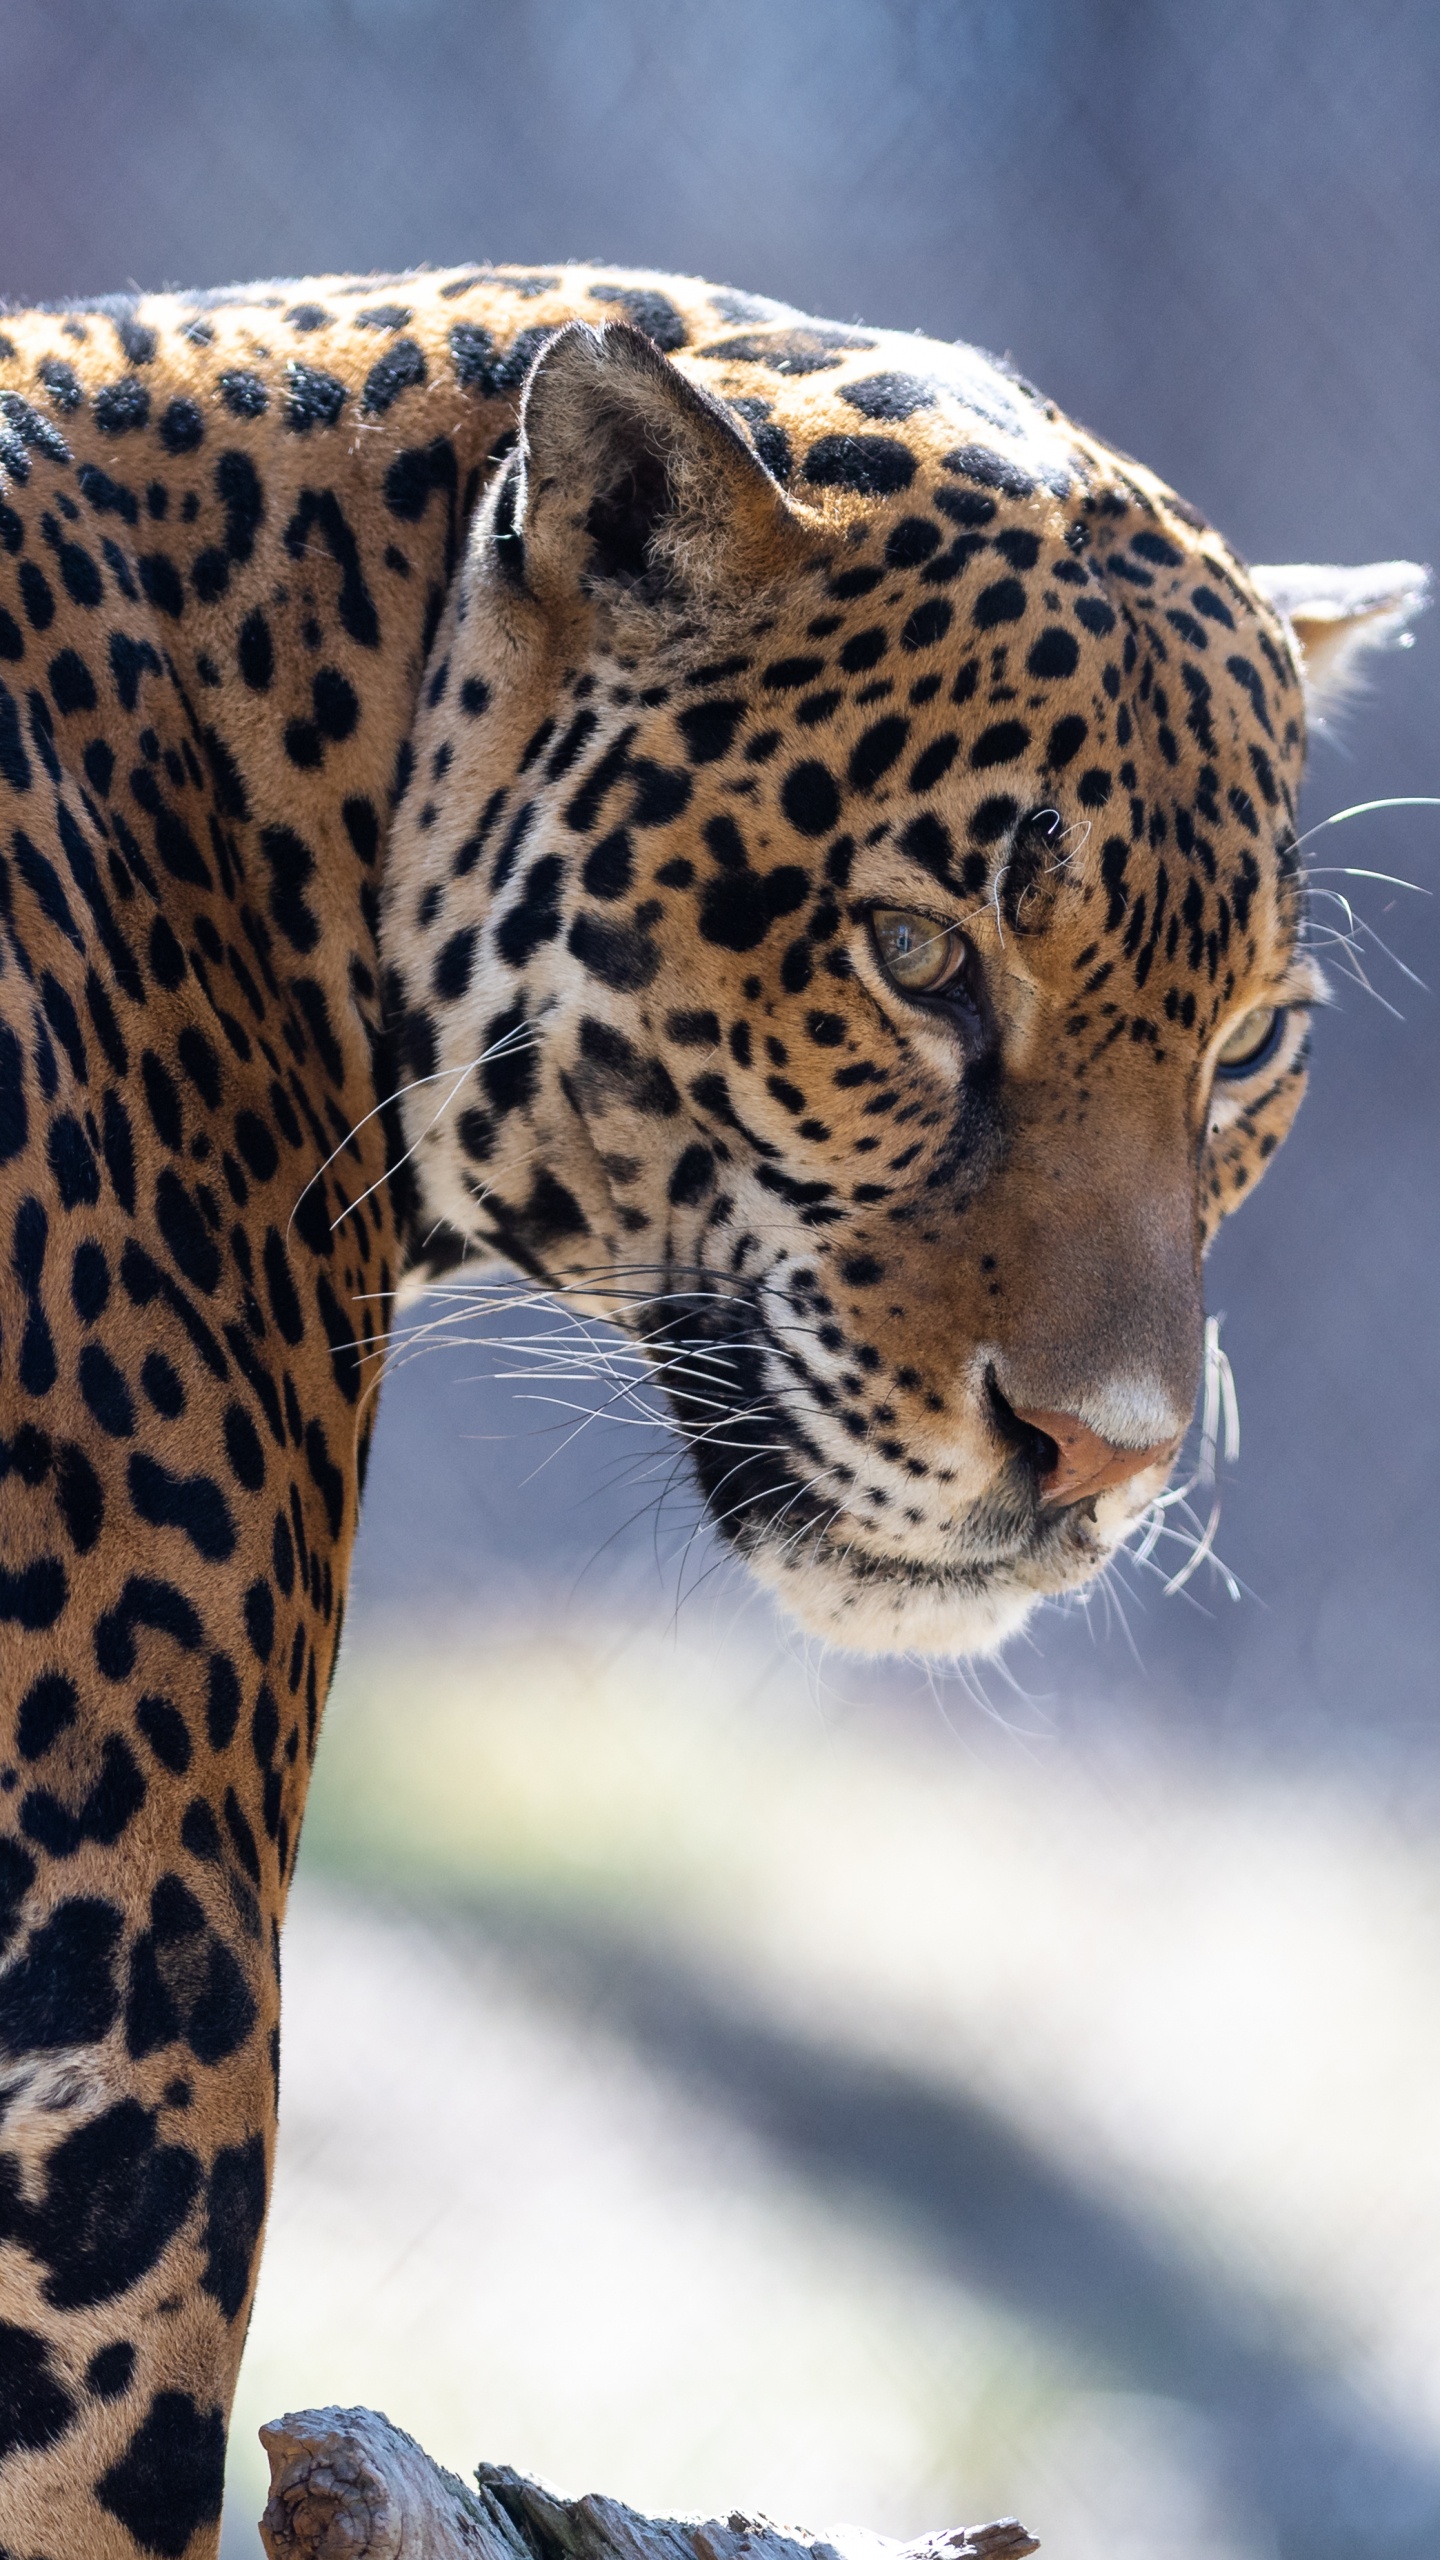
(181, 427)
(33, 1595)
(618, 954)
(652, 313)
(476, 1132)
(708, 729)
(692, 1177)
(337, 706)
(890, 396)
(14, 762)
(876, 751)
(162, 1385)
(236, 2211)
(106, 1811)
(1000, 744)
(183, 1227)
(36, 595)
(474, 696)
(119, 408)
(815, 348)
(71, 682)
(610, 865)
(166, 1731)
(193, 1504)
(79, 1496)
(256, 1145)
(46, 1711)
(244, 395)
(171, 2477)
(292, 867)
(739, 907)
(1004, 601)
(62, 1990)
(325, 1476)
(509, 1076)
(35, 2407)
(162, 583)
(114, 2199)
(875, 466)
(453, 964)
(61, 381)
(312, 398)
(810, 799)
(260, 1619)
(1055, 653)
(992, 470)
(1066, 739)
(535, 919)
(71, 1160)
(910, 542)
(144, 1602)
(934, 762)
(662, 793)
(401, 368)
(138, 341)
(615, 1070)
(242, 1448)
(320, 510)
(481, 366)
(17, 1874)
(222, 1701)
(362, 827)
(694, 1030)
(109, 2371)
(1095, 614)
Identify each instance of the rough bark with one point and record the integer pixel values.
(346, 2485)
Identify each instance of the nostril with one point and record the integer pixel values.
(1087, 1464)
(1040, 1452)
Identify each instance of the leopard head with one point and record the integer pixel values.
(854, 940)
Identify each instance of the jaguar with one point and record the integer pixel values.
(766, 828)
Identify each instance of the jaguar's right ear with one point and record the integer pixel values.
(630, 485)
(1339, 616)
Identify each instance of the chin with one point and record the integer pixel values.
(878, 1603)
(884, 1607)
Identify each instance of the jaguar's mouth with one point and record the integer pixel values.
(853, 1562)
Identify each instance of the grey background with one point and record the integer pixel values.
(1211, 232)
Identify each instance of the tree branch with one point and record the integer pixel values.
(346, 2485)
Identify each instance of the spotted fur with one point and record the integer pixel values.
(630, 707)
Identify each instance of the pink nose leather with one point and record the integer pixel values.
(1085, 1464)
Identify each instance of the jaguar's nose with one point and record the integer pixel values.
(1081, 1462)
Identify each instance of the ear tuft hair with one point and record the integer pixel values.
(1339, 616)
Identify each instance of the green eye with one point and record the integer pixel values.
(918, 955)
(1255, 1038)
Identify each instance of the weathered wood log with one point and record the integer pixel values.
(346, 2485)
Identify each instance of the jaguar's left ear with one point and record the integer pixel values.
(629, 484)
(1338, 616)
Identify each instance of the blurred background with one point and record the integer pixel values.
(729, 2075)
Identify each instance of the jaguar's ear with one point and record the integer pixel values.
(630, 484)
(1339, 615)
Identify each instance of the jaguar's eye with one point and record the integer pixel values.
(1255, 1038)
(918, 955)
